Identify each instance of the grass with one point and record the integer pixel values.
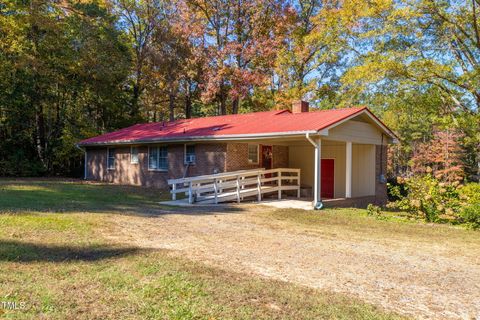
(55, 259)
(395, 229)
(74, 196)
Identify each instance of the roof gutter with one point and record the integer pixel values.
(317, 202)
(307, 136)
(232, 137)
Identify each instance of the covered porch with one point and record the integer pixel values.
(320, 172)
(337, 172)
(341, 165)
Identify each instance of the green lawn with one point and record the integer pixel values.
(72, 196)
(55, 259)
(389, 225)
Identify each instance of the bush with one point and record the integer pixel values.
(471, 215)
(394, 184)
(427, 198)
(373, 210)
(470, 193)
(470, 212)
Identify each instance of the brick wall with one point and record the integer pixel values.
(210, 158)
(358, 202)
(380, 163)
(124, 172)
(237, 157)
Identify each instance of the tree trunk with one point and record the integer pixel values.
(235, 104)
(188, 99)
(223, 106)
(223, 99)
(40, 134)
(171, 106)
(188, 106)
(134, 101)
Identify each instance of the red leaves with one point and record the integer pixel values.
(442, 156)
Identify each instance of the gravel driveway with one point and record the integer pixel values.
(423, 280)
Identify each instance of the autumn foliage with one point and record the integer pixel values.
(441, 156)
(74, 69)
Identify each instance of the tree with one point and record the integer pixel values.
(424, 46)
(59, 84)
(237, 43)
(140, 19)
(442, 155)
(316, 50)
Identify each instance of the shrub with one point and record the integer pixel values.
(471, 215)
(373, 210)
(427, 198)
(470, 193)
(399, 187)
(470, 212)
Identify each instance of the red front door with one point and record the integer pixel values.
(267, 157)
(328, 177)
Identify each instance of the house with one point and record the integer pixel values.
(341, 152)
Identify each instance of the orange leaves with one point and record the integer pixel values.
(442, 156)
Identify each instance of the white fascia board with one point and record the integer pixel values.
(233, 137)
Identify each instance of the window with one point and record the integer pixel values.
(134, 155)
(158, 158)
(111, 159)
(253, 153)
(190, 154)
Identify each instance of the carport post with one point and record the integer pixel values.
(318, 173)
(317, 144)
(348, 173)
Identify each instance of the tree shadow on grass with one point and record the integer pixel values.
(71, 196)
(16, 251)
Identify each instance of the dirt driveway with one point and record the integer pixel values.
(409, 276)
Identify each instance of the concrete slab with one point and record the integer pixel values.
(275, 203)
(288, 204)
(184, 203)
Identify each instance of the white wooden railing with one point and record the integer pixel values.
(236, 185)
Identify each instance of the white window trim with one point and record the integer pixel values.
(131, 158)
(148, 160)
(114, 159)
(185, 154)
(258, 154)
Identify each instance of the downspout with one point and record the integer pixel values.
(381, 177)
(317, 203)
(84, 162)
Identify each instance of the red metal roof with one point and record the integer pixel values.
(250, 124)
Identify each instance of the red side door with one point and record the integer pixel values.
(328, 177)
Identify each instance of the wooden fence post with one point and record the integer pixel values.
(238, 189)
(215, 190)
(190, 194)
(298, 180)
(259, 186)
(279, 184)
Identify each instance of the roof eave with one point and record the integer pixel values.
(235, 137)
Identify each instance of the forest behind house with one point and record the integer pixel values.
(70, 70)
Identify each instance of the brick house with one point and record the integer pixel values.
(341, 152)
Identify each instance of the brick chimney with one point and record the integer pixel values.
(299, 106)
